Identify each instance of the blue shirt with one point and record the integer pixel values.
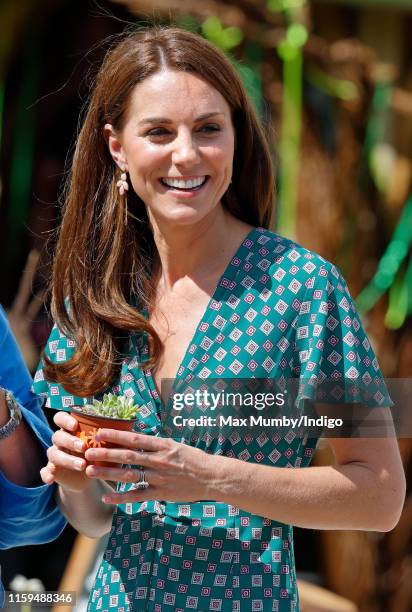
(28, 515)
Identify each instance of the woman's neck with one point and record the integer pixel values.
(196, 251)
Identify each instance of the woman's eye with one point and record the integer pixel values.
(157, 132)
(210, 127)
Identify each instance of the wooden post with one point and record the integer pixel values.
(80, 560)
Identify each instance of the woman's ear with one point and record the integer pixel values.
(114, 144)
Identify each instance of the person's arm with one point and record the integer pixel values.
(21, 453)
(28, 511)
(364, 490)
(85, 510)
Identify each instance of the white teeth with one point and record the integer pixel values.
(181, 184)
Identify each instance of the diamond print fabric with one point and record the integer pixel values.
(279, 310)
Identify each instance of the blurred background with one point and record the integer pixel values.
(332, 83)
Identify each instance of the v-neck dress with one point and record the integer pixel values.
(279, 310)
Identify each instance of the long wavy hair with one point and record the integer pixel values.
(105, 250)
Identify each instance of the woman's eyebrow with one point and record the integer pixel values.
(166, 120)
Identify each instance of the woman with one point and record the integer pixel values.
(169, 270)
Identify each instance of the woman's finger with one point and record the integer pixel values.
(64, 460)
(123, 456)
(133, 440)
(65, 421)
(124, 475)
(47, 475)
(65, 440)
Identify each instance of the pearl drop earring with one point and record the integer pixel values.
(122, 184)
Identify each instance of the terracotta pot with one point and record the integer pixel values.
(89, 425)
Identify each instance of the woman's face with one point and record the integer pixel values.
(178, 144)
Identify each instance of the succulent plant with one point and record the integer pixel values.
(113, 406)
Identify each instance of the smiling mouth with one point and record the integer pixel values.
(193, 184)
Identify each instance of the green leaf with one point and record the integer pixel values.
(297, 35)
(232, 37)
(284, 5)
(224, 38)
(114, 406)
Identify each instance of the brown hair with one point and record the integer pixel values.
(104, 254)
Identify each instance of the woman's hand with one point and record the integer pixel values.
(174, 471)
(64, 468)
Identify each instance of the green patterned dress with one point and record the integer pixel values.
(279, 310)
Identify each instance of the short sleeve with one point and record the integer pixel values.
(335, 359)
(58, 349)
(28, 515)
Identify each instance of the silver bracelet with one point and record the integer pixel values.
(15, 415)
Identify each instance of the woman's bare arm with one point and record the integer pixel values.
(365, 490)
(85, 511)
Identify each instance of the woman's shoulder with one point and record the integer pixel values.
(281, 256)
(59, 346)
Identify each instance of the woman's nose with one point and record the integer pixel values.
(185, 149)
